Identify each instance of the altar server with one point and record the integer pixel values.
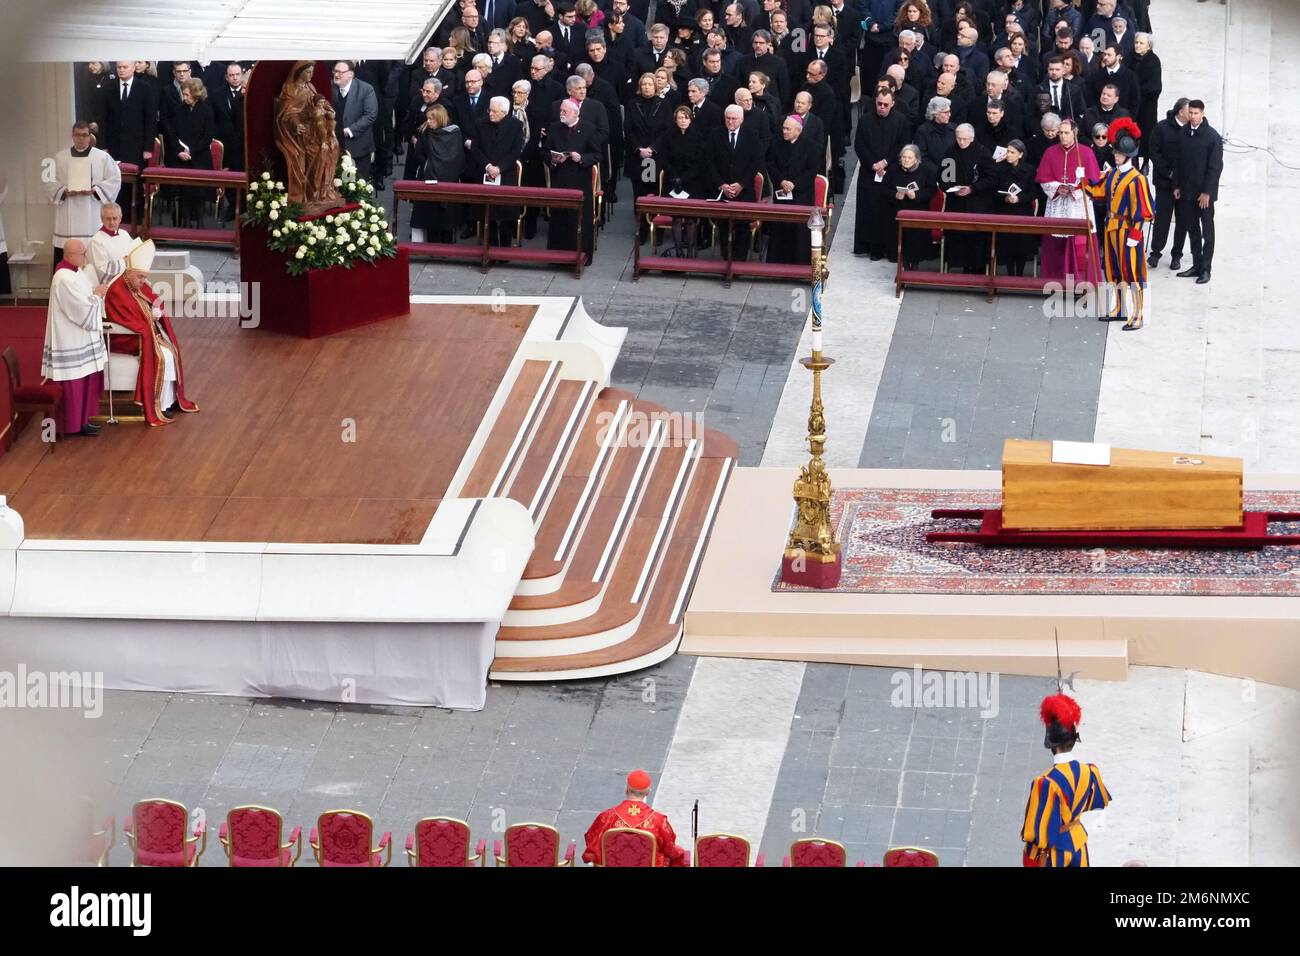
(635, 813)
(1053, 833)
(109, 246)
(84, 178)
(74, 353)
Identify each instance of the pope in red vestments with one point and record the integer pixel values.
(132, 303)
(635, 813)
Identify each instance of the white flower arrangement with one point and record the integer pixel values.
(340, 238)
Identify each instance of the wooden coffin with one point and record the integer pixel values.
(1138, 490)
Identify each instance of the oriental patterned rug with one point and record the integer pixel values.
(882, 532)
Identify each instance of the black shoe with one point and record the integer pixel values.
(89, 431)
(1176, 263)
(1153, 260)
(91, 426)
(1188, 273)
(876, 257)
(1204, 277)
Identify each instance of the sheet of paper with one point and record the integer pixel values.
(679, 194)
(79, 174)
(999, 153)
(953, 189)
(880, 177)
(491, 180)
(1080, 453)
(783, 195)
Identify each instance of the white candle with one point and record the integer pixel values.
(816, 238)
(817, 340)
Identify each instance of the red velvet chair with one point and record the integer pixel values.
(443, 841)
(723, 849)
(45, 401)
(910, 856)
(532, 844)
(756, 227)
(342, 838)
(250, 835)
(822, 198)
(101, 843)
(812, 851)
(156, 835)
(625, 846)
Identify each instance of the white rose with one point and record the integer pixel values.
(311, 240)
(275, 204)
(329, 218)
(274, 215)
(301, 253)
(279, 185)
(388, 237)
(352, 247)
(260, 204)
(276, 233)
(337, 183)
(266, 175)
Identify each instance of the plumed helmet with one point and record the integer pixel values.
(1124, 136)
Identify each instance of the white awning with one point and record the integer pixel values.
(235, 30)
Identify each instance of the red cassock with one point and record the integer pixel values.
(638, 816)
(134, 310)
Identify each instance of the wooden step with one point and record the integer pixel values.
(550, 444)
(658, 628)
(623, 556)
(507, 441)
(578, 484)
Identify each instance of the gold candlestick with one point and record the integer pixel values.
(812, 555)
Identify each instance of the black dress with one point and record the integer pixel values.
(1015, 249)
(681, 159)
(441, 155)
(194, 127)
(917, 244)
(644, 122)
(973, 167)
(580, 139)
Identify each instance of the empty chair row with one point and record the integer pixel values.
(159, 833)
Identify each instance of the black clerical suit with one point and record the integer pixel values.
(582, 139)
(878, 137)
(799, 163)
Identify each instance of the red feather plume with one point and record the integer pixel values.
(1062, 709)
(1122, 125)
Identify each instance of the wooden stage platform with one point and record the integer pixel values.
(266, 457)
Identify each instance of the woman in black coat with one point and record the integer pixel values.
(441, 151)
(1014, 196)
(680, 149)
(571, 150)
(966, 175)
(644, 121)
(191, 146)
(793, 164)
(911, 183)
(1146, 65)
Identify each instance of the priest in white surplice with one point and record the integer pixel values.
(74, 341)
(84, 179)
(110, 245)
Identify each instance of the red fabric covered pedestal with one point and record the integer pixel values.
(805, 572)
(322, 301)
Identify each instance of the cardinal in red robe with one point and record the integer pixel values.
(635, 813)
(160, 386)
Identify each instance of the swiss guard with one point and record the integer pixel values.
(1127, 195)
(1053, 833)
(633, 812)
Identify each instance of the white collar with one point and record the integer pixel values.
(1128, 164)
(343, 90)
(1064, 758)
